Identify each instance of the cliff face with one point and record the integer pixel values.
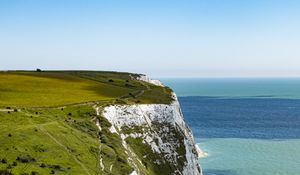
(155, 137)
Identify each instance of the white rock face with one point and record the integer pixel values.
(161, 125)
(147, 79)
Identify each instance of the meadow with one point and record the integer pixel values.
(47, 120)
(54, 88)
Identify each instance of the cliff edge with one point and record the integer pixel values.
(93, 123)
(155, 137)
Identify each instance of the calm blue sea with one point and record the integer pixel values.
(247, 126)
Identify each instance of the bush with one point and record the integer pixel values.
(25, 159)
(56, 167)
(5, 172)
(119, 159)
(9, 135)
(34, 173)
(3, 160)
(128, 85)
(110, 80)
(14, 164)
(38, 70)
(42, 165)
(9, 167)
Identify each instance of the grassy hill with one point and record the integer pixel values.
(39, 89)
(47, 120)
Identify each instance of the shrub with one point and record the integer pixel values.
(34, 173)
(3, 160)
(9, 135)
(14, 164)
(121, 160)
(129, 85)
(5, 172)
(38, 70)
(9, 167)
(25, 159)
(56, 167)
(15, 110)
(110, 80)
(42, 165)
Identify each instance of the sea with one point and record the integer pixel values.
(247, 126)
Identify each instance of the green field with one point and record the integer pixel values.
(47, 120)
(40, 89)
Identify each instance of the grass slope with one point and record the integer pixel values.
(36, 89)
(50, 140)
(47, 120)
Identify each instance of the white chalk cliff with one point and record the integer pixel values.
(162, 128)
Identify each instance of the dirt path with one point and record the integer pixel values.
(6, 110)
(63, 146)
(40, 126)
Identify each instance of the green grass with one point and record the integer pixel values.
(51, 138)
(55, 88)
(48, 89)
(53, 129)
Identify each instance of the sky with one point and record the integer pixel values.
(161, 38)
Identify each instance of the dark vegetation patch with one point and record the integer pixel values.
(39, 148)
(25, 159)
(5, 172)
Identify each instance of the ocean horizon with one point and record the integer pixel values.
(246, 126)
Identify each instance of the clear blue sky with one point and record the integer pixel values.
(162, 38)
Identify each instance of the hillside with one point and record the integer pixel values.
(55, 88)
(53, 123)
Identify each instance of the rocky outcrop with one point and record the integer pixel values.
(147, 79)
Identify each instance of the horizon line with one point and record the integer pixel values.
(165, 77)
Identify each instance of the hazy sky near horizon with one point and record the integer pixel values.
(162, 38)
